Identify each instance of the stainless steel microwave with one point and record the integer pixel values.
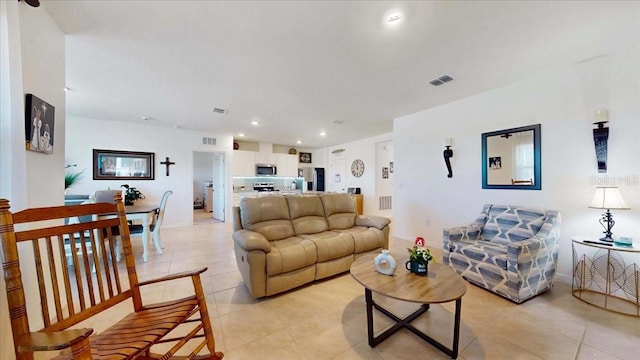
(266, 170)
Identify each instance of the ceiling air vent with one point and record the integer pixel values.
(219, 110)
(441, 80)
(208, 141)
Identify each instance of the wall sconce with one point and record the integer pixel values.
(448, 154)
(600, 137)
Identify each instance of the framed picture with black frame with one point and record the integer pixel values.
(305, 158)
(123, 165)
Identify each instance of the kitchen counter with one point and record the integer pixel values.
(237, 195)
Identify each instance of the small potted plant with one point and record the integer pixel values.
(419, 258)
(131, 194)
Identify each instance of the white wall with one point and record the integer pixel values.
(84, 135)
(563, 101)
(32, 61)
(365, 150)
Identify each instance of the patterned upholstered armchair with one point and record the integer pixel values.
(509, 250)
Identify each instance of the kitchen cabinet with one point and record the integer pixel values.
(266, 158)
(244, 163)
(287, 165)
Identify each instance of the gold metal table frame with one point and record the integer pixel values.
(606, 276)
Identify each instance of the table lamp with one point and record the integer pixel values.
(608, 198)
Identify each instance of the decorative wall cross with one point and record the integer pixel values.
(167, 163)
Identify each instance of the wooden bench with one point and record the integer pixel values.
(69, 291)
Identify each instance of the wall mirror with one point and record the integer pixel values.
(511, 159)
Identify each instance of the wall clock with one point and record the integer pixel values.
(357, 168)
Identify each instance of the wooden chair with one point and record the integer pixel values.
(68, 295)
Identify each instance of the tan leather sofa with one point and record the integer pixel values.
(282, 242)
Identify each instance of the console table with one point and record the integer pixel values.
(606, 276)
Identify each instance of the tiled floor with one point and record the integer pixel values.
(327, 319)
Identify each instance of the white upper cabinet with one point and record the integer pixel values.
(266, 158)
(287, 165)
(244, 163)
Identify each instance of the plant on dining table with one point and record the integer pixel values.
(131, 194)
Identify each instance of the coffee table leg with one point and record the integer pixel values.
(405, 323)
(456, 330)
(369, 300)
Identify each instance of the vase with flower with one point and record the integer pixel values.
(419, 258)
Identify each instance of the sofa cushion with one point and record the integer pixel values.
(307, 214)
(482, 251)
(268, 215)
(365, 238)
(331, 245)
(340, 210)
(290, 254)
(507, 224)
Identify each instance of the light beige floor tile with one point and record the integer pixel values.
(586, 352)
(277, 346)
(614, 337)
(543, 341)
(360, 352)
(242, 327)
(487, 346)
(226, 281)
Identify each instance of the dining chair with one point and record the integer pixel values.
(157, 222)
(105, 196)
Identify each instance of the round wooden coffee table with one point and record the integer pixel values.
(441, 285)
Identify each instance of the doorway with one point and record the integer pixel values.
(208, 186)
(337, 176)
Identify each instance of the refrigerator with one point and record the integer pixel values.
(312, 178)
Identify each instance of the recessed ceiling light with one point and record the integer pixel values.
(255, 123)
(394, 18)
(298, 142)
(241, 134)
(323, 133)
(66, 89)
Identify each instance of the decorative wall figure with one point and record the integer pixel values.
(167, 163)
(448, 154)
(600, 137)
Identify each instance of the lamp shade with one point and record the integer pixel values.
(608, 198)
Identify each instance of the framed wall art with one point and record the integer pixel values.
(123, 165)
(305, 158)
(39, 117)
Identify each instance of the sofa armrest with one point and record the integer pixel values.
(378, 222)
(527, 251)
(251, 240)
(468, 232)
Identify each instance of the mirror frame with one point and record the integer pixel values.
(537, 160)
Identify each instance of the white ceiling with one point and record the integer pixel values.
(300, 67)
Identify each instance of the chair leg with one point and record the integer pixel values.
(157, 240)
(204, 317)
